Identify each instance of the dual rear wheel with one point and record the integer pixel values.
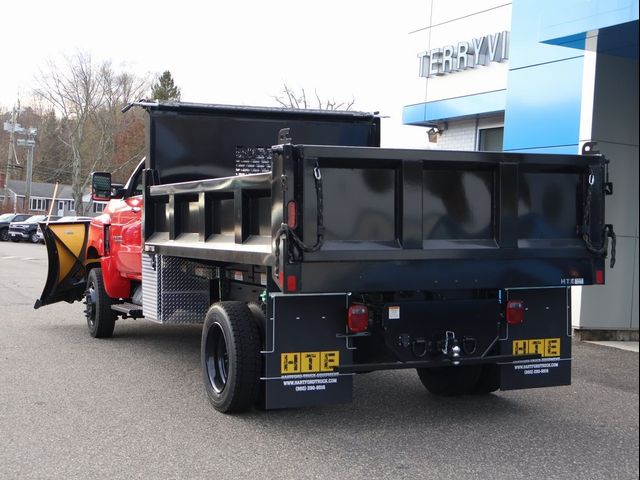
(460, 380)
(230, 356)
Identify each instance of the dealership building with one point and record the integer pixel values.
(542, 76)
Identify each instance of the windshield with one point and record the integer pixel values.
(5, 216)
(35, 219)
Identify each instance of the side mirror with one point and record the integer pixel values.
(100, 186)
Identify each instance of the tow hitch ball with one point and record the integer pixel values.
(451, 348)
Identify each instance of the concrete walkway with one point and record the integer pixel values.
(630, 346)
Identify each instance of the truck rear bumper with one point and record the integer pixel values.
(446, 362)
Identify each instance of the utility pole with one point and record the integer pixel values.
(11, 126)
(30, 144)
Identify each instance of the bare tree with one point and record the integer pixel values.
(87, 97)
(290, 98)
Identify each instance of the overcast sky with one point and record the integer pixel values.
(236, 52)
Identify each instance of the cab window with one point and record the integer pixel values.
(134, 185)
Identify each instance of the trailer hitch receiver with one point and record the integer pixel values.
(451, 348)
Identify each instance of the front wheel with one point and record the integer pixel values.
(100, 318)
(4, 234)
(450, 381)
(34, 238)
(230, 357)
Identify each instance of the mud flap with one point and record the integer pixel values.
(66, 276)
(546, 331)
(304, 347)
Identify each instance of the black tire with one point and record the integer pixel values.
(100, 318)
(4, 235)
(260, 318)
(230, 357)
(34, 238)
(489, 380)
(450, 381)
(15, 239)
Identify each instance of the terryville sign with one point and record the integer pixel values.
(464, 55)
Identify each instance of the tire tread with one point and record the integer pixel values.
(245, 343)
(105, 318)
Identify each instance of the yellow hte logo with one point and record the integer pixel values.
(309, 362)
(547, 347)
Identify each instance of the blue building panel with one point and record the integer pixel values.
(459, 107)
(565, 19)
(414, 114)
(543, 105)
(525, 48)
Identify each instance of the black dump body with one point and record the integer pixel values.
(438, 248)
(390, 219)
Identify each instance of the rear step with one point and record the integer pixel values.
(129, 309)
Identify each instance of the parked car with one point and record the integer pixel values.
(63, 219)
(6, 219)
(27, 230)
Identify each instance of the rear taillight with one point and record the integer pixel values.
(600, 277)
(292, 283)
(292, 214)
(515, 312)
(358, 318)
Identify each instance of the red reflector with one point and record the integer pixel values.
(292, 214)
(515, 312)
(292, 283)
(600, 277)
(281, 279)
(358, 318)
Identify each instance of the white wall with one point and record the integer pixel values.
(463, 134)
(610, 117)
(454, 21)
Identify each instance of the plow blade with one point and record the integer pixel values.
(67, 271)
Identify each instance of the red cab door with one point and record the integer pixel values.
(125, 232)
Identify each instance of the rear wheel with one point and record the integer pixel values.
(100, 318)
(450, 381)
(4, 234)
(230, 357)
(489, 380)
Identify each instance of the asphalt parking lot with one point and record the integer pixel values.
(133, 407)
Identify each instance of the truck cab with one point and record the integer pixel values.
(115, 235)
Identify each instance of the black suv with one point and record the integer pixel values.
(6, 219)
(27, 230)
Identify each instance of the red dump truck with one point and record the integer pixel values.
(310, 254)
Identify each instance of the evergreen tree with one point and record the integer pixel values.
(164, 88)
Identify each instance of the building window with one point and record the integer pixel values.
(490, 139)
(72, 205)
(39, 204)
(98, 207)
